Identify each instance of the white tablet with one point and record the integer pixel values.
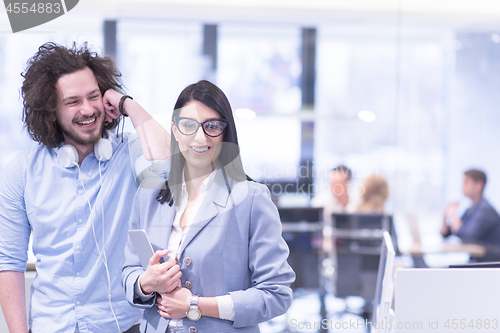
(142, 246)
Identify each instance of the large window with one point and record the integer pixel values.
(432, 91)
(405, 87)
(158, 59)
(259, 68)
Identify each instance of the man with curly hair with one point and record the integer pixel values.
(73, 194)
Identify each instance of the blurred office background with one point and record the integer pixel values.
(408, 89)
(403, 88)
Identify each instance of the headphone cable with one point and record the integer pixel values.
(102, 254)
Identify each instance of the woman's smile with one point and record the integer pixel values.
(200, 149)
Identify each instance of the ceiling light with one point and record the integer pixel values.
(245, 114)
(367, 116)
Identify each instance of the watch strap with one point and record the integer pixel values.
(194, 300)
(193, 312)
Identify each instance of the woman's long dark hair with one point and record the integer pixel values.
(229, 158)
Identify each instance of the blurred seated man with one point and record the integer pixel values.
(375, 193)
(336, 200)
(480, 223)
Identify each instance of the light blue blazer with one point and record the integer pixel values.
(234, 246)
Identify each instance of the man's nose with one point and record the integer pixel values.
(87, 108)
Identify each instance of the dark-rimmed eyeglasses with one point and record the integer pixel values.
(211, 127)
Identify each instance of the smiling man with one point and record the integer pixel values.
(72, 194)
(80, 118)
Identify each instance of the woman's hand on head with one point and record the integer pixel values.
(174, 304)
(160, 277)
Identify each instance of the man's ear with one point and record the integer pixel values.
(480, 186)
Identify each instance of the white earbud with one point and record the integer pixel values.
(68, 156)
(103, 150)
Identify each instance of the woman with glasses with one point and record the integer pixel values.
(221, 261)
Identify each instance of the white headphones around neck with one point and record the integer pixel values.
(68, 156)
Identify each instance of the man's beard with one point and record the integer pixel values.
(70, 133)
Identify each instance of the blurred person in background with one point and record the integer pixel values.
(480, 223)
(374, 195)
(337, 200)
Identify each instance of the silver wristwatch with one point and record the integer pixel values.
(193, 313)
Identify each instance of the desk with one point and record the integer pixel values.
(451, 300)
(443, 250)
(474, 250)
(439, 245)
(301, 226)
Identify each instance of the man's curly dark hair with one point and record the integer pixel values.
(39, 92)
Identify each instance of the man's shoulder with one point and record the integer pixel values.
(125, 140)
(128, 145)
(16, 171)
(322, 199)
(22, 159)
(127, 136)
(149, 189)
(485, 207)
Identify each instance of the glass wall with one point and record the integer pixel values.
(158, 59)
(259, 69)
(404, 87)
(431, 92)
(403, 82)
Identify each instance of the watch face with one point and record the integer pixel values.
(193, 314)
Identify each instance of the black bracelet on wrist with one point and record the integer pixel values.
(120, 105)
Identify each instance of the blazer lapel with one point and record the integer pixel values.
(216, 197)
(167, 215)
(161, 230)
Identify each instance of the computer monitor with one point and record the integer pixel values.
(384, 292)
(358, 242)
(362, 221)
(303, 236)
(300, 214)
